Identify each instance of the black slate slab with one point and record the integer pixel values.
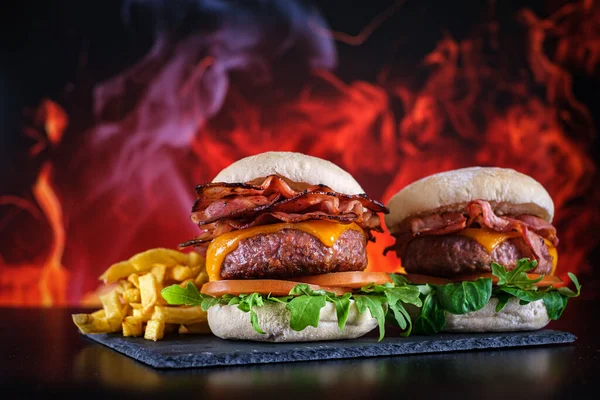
(192, 351)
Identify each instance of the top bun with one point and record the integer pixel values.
(294, 166)
(508, 192)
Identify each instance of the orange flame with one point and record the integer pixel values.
(53, 281)
(45, 284)
(460, 108)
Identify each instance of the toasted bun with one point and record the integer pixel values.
(228, 322)
(513, 317)
(294, 166)
(508, 191)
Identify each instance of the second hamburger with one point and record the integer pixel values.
(483, 242)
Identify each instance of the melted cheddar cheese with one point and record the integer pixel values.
(490, 240)
(327, 232)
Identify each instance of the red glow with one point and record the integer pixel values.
(177, 118)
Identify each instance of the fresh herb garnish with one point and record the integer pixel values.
(432, 301)
(304, 304)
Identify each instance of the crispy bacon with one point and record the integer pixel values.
(478, 212)
(224, 207)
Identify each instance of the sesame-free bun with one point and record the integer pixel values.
(508, 192)
(297, 167)
(228, 322)
(513, 317)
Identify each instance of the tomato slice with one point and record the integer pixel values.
(418, 279)
(263, 286)
(350, 279)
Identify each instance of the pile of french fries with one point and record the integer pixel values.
(133, 304)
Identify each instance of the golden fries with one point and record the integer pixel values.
(88, 323)
(132, 326)
(132, 303)
(149, 291)
(155, 330)
(179, 315)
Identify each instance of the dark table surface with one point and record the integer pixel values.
(44, 355)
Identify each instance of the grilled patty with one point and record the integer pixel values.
(289, 253)
(452, 255)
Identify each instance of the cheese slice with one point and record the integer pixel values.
(327, 232)
(490, 240)
(553, 254)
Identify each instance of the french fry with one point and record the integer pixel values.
(194, 259)
(180, 315)
(155, 330)
(138, 312)
(132, 295)
(184, 283)
(131, 299)
(132, 326)
(134, 279)
(180, 273)
(146, 260)
(124, 285)
(117, 271)
(199, 328)
(159, 271)
(88, 323)
(201, 279)
(112, 309)
(149, 292)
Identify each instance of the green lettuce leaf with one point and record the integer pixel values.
(305, 311)
(375, 304)
(431, 318)
(464, 297)
(342, 308)
(189, 296)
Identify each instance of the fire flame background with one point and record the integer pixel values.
(113, 111)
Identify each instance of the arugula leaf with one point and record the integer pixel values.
(555, 304)
(405, 294)
(518, 276)
(247, 303)
(399, 280)
(464, 297)
(402, 318)
(208, 302)
(305, 311)
(425, 289)
(503, 298)
(375, 304)
(565, 291)
(342, 308)
(525, 296)
(282, 299)
(432, 318)
(177, 295)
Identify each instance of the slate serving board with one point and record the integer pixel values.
(192, 351)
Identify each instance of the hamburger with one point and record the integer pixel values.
(482, 242)
(284, 237)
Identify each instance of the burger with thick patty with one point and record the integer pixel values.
(483, 242)
(284, 237)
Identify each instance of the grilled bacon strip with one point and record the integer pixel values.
(477, 212)
(224, 207)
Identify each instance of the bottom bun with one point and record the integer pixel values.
(513, 317)
(228, 322)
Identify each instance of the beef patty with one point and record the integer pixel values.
(289, 253)
(452, 255)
